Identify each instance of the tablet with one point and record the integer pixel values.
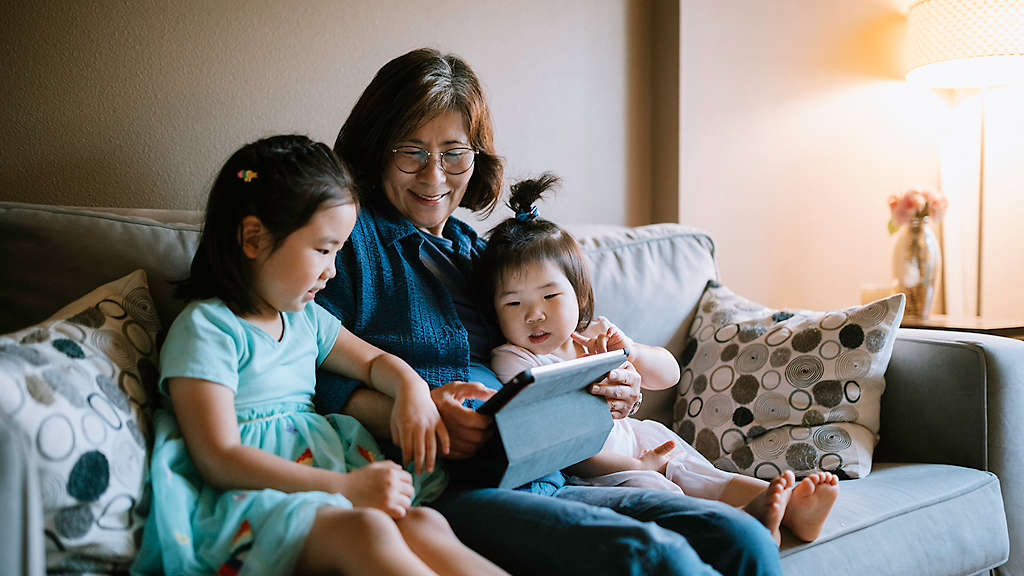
(543, 382)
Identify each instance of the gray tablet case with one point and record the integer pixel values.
(554, 421)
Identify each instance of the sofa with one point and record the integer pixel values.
(945, 495)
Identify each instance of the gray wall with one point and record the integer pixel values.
(137, 103)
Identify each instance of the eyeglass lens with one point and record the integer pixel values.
(411, 159)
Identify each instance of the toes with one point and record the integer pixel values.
(804, 488)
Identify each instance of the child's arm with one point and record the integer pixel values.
(608, 462)
(416, 425)
(656, 365)
(206, 415)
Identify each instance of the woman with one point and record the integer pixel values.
(419, 145)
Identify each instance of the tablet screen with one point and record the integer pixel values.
(543, 382)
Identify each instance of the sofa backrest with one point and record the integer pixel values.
(647, 279)
(52, 255)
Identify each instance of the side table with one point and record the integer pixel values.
(998, 327)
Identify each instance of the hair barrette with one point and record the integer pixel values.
(247, 175)
(527, 216)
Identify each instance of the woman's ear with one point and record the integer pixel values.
(252, 236)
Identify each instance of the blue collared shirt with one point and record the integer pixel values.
(384, 294)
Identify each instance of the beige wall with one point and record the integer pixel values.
(796, 123)
(137, 104)
(781, 130)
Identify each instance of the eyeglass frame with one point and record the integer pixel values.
(440, 156)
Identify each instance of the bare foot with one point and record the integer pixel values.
(809, 505)
(769, 506)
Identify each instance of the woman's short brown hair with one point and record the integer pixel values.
(407, 92)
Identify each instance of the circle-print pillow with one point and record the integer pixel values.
(76, 386)
(763, 390)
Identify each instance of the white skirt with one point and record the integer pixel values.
(687, 471)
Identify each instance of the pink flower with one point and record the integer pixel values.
(937, 204)
(915, 204)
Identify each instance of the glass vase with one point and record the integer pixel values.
(915, 264)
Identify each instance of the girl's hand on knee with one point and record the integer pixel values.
(417, 427)
(381, 485)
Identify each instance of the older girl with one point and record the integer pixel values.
(247, 478)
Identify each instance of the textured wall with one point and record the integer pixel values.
(137, 104)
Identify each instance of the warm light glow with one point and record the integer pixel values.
(966, 43)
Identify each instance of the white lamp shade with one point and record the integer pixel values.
(966, 43)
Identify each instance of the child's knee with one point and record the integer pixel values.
(421, 518)
(367, 524)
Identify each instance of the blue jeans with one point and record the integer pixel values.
(590, 530)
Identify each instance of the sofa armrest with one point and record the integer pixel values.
(22, 549)
(954, 398)
(934, 409)
(958, 398)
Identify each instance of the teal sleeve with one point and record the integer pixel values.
(206, 342)
(327, 328)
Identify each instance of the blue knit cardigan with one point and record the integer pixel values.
(385, 295)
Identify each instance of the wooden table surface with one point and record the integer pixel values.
(997, 326)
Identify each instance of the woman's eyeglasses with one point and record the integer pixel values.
(412, 159)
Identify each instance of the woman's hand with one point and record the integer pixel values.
(621, 389)
(381, 485)
(468, 430)
(417, 427)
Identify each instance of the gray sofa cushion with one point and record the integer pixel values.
(897, 521)
(52, 255)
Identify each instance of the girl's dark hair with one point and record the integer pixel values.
(527, 239)
(406, 93)
(283, 181)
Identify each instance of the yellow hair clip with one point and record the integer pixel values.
(247, 175)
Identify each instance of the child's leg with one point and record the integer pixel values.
(432, 539)
(359, 541)
(809, 504)
(741, 490)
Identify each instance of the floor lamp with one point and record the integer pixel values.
(967, 44)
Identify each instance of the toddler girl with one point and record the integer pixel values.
(246, 477)
(537, 276)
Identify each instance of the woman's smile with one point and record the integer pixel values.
(429, 200)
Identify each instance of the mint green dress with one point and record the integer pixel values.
(195, 529)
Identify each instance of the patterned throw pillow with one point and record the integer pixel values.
(763, 390)
(76, 387)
